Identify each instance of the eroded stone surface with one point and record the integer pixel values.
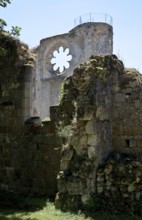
(106, 117)
(100, 120)
(27, 145)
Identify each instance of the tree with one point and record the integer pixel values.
(3, 3)
(2, 23)
(15, 31)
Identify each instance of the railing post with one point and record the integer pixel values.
(93, 18)
(90, 17)
(105, 18)
(80, 20)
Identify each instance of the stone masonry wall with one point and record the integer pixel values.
(120, 179)
(29, 149)
(100, 115)
(98, 124)
(127, 113)
(36, 171)
(119, 184)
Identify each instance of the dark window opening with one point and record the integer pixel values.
(37, 146)
(127, 142)
(6, 103)
(128, 94)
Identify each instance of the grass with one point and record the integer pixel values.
(47, 213)
(42, 209)
(50, 213)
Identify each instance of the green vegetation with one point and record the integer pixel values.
(50, 213)
(3, 3)
(15, 30)
(47, 213)
(13, 207)
(3, 23)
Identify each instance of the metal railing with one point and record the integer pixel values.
(93, 17)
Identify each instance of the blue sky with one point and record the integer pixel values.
(44, 18)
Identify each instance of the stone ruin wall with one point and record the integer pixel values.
(81, 42)
(29, 152)
(27, 149)
(101, 118)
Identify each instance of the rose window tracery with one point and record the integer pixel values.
(61, 58)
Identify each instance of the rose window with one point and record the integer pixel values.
(61, 58)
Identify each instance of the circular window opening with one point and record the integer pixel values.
(61, 58)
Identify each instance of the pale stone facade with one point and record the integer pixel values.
(75, 47)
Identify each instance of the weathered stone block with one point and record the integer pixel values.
(39, 138)
(139, 143)
(102, 113)
(117, 141)
(92, 140)
(74, 140)
(133, 83)
(119, 97)
(54, 113)
(91, 127)
(62, 185)
(64, 165)
(67, 153)
(87, 115)
(75, 186)
(92, 152)
(137, 103)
